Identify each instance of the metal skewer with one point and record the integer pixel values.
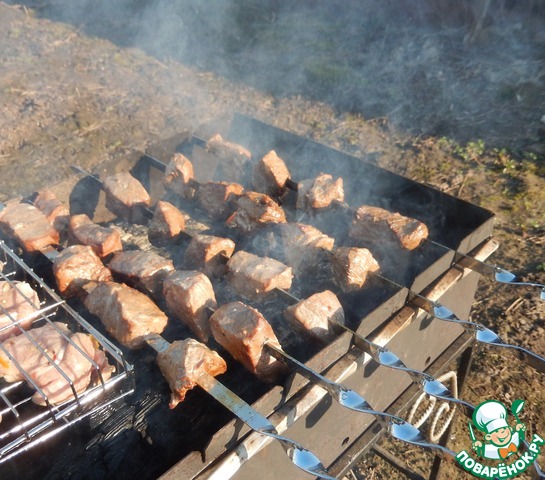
(301, 457)
(348, 398)
(386, 358)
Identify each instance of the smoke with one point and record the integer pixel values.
(464, 69)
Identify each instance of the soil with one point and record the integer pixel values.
(73, 93)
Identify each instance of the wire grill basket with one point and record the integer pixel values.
(29, 415)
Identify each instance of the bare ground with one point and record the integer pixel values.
(68, 97)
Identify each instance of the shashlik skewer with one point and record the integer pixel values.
(236, 325)
(306, 312)
(170, 359)
(499, 274)
(481, 333)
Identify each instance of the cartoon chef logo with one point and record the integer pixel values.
(500, 439)
(499, 443)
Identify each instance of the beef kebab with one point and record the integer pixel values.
(272, 176)
(441, 312)
(249, 338)
(354, 263)
(132, 319)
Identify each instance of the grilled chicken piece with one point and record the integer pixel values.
(350, 267)
(167, 223)
(61, 346)
(178, 175)
(126, 197)
(300, 246)
(376, 225)
(18, 303)
(315, 316)
(184, 362)
(209, 253)
(144, 270)
(127, 314)
(74, 267)
(255, 210)
(215, 198)
(103, 240)
(243, 332)
(252, 276)
(188, 295)
(319, 192)
(233, 157)
(271, 175)
(28, 226)
(56, 212)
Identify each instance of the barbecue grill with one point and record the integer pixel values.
(126, 435)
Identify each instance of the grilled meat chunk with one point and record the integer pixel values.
(127, 314)
(184, 362)
(271, 175)
(315, 316)
(233, 157)
(75, 266)
(350, 267)
(103, 240)
(376, 225)
(252, 276)
(126, 197)
(255, 210)
(243, 332)
(300, 246)
(56, 212)
(178, 175)
(215, 198)
(63, 349)
(166, 224)
(28, 226)
(144, 270)
(188, 295)
(209, 253)
(18, 303)
(319, 192)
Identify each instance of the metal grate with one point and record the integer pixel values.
(25, 424)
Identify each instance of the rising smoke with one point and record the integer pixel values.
(468, 69)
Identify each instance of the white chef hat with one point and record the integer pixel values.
(489, 416)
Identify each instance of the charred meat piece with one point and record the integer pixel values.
(243, 332)
(215, 198)
(76, 355)
(233, 157)
(167, 223)
(76, 266)
(255, 210)
(315, 316)
(252, 276)
(209, 253)
(271, 175)
(376, 225)
(351, 266)
(188, 295)
(103, 240)
(184, 362)
(144, 270)
(56, 212)
(319, 192)
(126, 197)
(18, 303)
(178, 175)
(127, 314)
(298, 245)
(28, 226)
